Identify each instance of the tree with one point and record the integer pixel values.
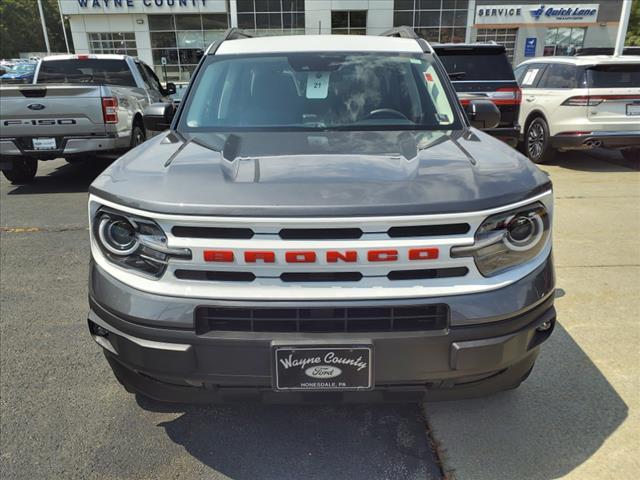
(20, 29)
(633, 32)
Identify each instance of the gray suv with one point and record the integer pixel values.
(321, 222)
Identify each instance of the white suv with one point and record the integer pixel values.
(580, 103)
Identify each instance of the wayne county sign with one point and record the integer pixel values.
(558, 13)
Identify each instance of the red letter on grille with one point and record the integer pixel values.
(423, 253)
(218, 256)
(300, 257)
(253, 257)
(382, 255)
(347, 256)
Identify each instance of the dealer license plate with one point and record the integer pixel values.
(633, 109)
(44, 144)
(326, 368)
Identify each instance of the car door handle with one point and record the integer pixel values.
(530, 99)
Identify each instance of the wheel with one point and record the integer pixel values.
(23, 171)
(137, 136)
(631, 154)
(536, 141)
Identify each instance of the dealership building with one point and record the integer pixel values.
(171, 35)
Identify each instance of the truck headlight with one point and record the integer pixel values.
(508, 239)
(134, 243)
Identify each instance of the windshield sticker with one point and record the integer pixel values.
(318, 85)
(417, 61)
(530, 77)
(428, 77)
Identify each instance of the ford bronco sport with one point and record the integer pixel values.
(321, 222)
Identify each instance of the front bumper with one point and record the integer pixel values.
(592, 140)
(474, 355)
(66, 146)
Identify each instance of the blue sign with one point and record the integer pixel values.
(562, 13)
(530, 47)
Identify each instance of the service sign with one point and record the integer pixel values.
(543, 13)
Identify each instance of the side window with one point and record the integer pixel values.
(559, 75)
(532, 75)
(519, 73)
(153, 78)
(150, 79)
(143, 75)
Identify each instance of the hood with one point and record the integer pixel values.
(320, 174)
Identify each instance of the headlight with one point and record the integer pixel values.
(508, 239)
(134, 243)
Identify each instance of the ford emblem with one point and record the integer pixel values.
(322, 371)
(36, 106)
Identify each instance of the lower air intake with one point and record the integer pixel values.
(324, 320)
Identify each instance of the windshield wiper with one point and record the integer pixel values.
(457, 75)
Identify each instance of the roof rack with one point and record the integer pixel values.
(229, 34)
(410, 33)
(401, 32)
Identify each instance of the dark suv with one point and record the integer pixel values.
(483, 71)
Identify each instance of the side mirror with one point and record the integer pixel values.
(483, 114)
(170, 89)
(158, 116)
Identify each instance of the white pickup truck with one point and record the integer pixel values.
(77, 106)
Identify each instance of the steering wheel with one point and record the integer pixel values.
(386, 113)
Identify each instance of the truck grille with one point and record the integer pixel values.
(322, 320)
(316, 259)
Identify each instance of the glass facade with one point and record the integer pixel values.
(563, 40)
(441, 21)
(349, 22)
(502, 36)
(271, 17)
(120, 43)
(181, 40)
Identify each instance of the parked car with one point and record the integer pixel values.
(321, 222)
(78, 106)
(21, 73)
(580, 103)
(483, 71)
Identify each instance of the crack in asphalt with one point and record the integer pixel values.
(61, 228)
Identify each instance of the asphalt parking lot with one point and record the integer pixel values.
(65, 416)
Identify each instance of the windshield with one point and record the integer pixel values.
(318, 91)
(23, 68)
(102, 71)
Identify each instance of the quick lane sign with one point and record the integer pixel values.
(557, 13)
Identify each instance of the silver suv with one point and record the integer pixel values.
(322, 222)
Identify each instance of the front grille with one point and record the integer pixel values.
(321, 233)
(322, 320)
(309, 277)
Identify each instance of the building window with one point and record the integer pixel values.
(349, 22)
(441, 21)
(502, 36)
(271, 17)
(563, 41)
(180, 40)
(120, 43)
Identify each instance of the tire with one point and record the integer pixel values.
(631, 154)
(537, 144)
(137, 136)
(24, 170)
